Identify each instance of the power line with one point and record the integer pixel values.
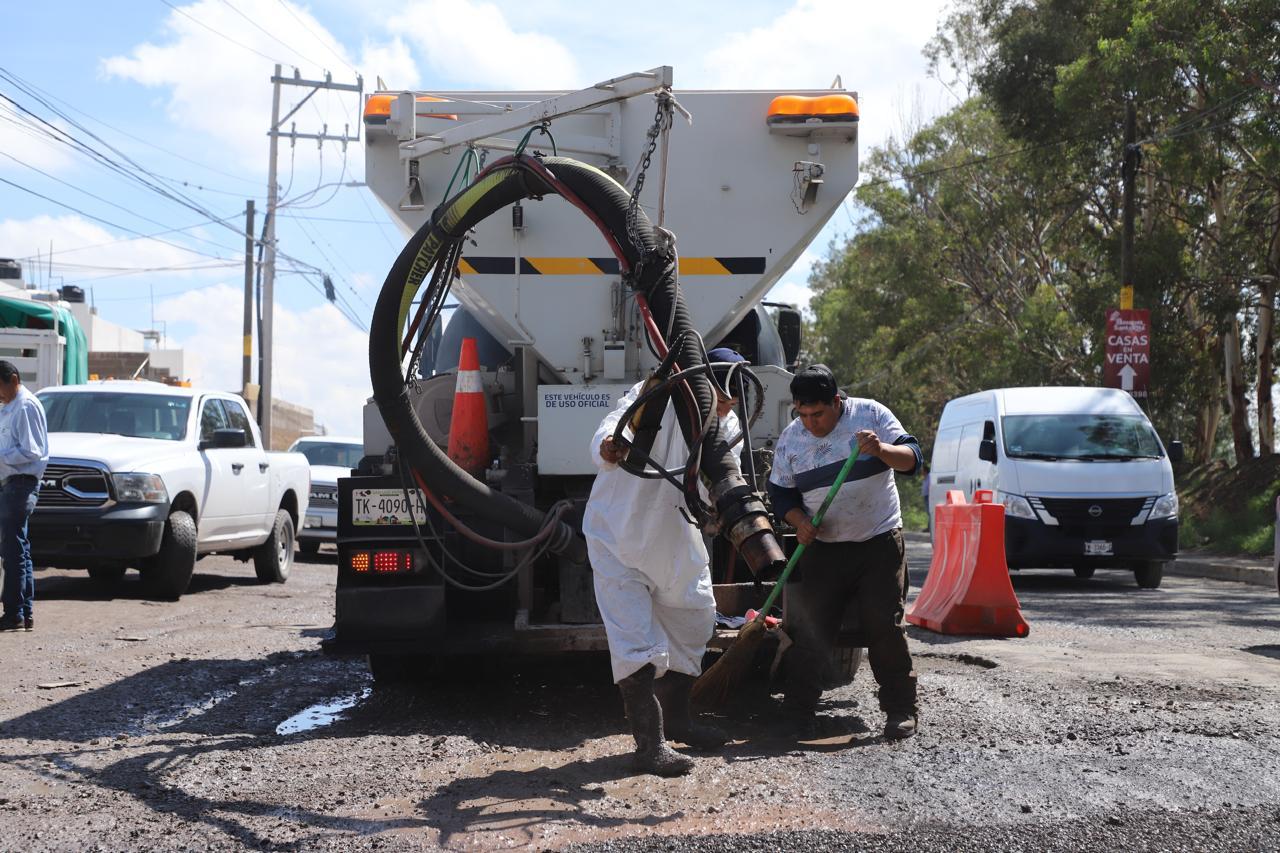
(222, 35)
(34, 88)
(106, 222)
(269, 35)
(317, 37)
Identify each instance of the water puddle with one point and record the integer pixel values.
(323, 714)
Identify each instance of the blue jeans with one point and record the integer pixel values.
(17, 500)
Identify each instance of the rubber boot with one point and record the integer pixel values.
(652, 754)
(673, 690)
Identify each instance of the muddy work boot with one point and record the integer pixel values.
(652, 754)
(900, 726)
(673, 690)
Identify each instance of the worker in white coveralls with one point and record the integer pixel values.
(653, 585)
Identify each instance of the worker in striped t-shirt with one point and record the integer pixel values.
(857, 557)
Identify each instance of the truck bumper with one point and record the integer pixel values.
(320, 524)
(77, 539)
(1033, 544)
(409, 620)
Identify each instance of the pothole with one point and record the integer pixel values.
(1265, 651)
(960, 657)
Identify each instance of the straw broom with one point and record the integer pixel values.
(714, 686)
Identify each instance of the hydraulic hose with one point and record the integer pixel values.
(649, 270)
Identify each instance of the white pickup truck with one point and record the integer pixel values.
(153, 476)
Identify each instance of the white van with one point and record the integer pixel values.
(1085, 481)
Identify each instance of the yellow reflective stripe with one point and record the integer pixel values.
(564, 266)
(702, 266)
(248, 345)
(466, 268)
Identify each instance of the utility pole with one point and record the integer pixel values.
(246, 368)
(269, 271)
(269, 260)
(1129, 174)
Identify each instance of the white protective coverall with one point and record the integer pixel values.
(652, 579)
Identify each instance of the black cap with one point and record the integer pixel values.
(814, 384)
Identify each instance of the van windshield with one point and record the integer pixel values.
(1080, 437)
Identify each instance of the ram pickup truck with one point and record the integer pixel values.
(331, 457)
(153, 477)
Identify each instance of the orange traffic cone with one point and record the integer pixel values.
(469, 425)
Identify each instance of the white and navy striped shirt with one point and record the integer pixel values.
(805, 466)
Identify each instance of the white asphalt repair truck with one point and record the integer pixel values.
(586, 240)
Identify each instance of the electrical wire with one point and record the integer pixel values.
(34, 89)
(222, 35)
(317, 37)
(271, 36)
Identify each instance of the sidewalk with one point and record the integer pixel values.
(1258, 571)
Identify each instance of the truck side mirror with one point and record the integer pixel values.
(987, 450)
(226, 438)
(1176, 453)
(789, 325)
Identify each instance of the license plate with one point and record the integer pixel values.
(371, 507)
(1098, 548)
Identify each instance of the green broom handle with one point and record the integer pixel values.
(817, 521)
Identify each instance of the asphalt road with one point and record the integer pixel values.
(1129, 719)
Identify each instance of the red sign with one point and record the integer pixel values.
(1128, 350)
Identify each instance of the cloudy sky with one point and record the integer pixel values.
(180, 90)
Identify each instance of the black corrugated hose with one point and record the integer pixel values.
(604, 202)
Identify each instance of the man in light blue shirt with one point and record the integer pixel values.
(24, 454)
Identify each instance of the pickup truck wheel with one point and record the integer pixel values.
(1149, 575)
(273, 559)
(107, 574)
(168, 573)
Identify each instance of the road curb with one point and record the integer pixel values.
(1223, 571)
(1214, 568)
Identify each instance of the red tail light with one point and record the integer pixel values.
(382, 562)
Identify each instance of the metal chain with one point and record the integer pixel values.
(661, 117)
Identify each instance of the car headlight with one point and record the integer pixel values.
(1015, 506)
(140, 488)
(1166, 506)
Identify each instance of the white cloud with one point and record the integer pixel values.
(21, 139)
(875, 48)
(332, 380)
(221, 92)
(85, 250)
(464, 40)
(793, 287)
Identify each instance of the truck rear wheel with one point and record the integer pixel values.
(273, 559)
(168, 573)
(842, 667)
(388, 669)
(1149, 575)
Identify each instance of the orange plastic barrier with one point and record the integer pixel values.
(469, 425)
(968, 590)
